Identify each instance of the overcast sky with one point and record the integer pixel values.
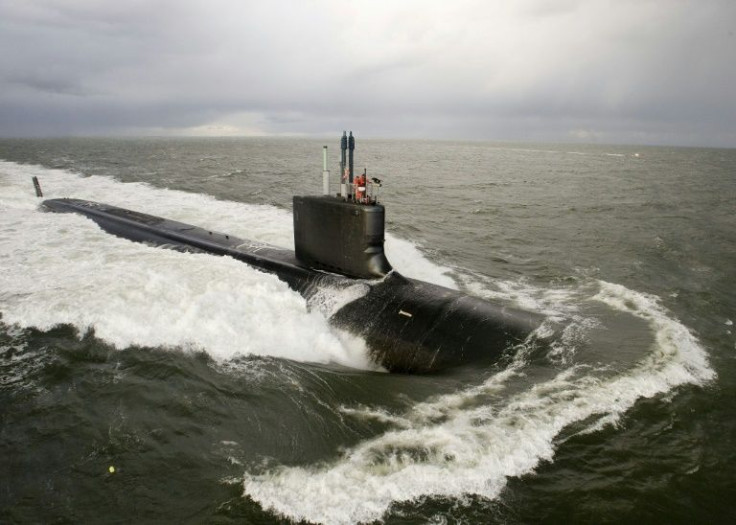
(617, 71)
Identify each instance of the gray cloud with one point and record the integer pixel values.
(651, 71)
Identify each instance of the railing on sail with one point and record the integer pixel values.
(372, 191)
(360, 190)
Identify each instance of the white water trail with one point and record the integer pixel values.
(63, 269)
(459, 444)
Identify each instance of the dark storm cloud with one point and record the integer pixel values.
(644, 72)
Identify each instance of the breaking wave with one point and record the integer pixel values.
(472, 441)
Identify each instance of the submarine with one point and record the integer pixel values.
(409, 326)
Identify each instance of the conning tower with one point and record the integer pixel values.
(342, 232)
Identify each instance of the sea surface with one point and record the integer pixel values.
(143, 385)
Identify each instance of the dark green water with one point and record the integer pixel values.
(219, 396)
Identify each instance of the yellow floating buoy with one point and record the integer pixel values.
(111, 469)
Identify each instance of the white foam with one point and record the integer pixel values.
(555, 303)
(463, 443)
(328, 300)
(62, 269)
(562, 350)
(408, 260)
(676, 351)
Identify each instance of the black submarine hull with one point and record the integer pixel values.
(409, 325)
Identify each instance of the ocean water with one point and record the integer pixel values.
(218, 395)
